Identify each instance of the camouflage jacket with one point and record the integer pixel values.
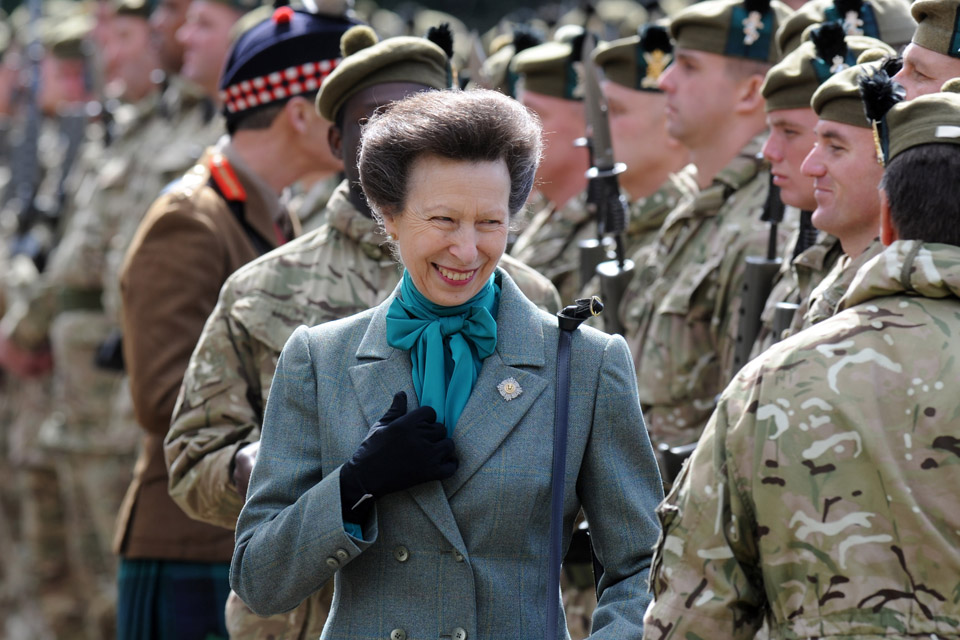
(822, 496)
(680, 309)
(549, 244)
(794, 284)
(334, 272)
(647, 214)
(825, 297)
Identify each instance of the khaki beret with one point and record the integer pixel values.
(938, 27)
(731, 28)
(886, 20)
(548, 69)
(67, 39)
(368, 62)
(134, 8)
(636, 62)
(791, 83)
(838, 99)
(929, 119)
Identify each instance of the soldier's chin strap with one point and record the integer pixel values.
(569, 320)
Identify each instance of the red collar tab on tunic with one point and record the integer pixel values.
(226, 178)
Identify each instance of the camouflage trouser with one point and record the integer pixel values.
(304, 622)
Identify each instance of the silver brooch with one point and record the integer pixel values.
(509, 389)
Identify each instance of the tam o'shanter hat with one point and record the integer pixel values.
(368, 61)
(637, 62)
(838, 98)
(886, 20)
(733, 28)
(288, 54)
(497, 70)
(551, 68)
(938, 26)
(791, 83)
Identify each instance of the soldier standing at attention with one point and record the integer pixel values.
(680, 307)
(822, 496)
(548, 86)
(933, 56)
(844, 166)
(787, 90)
(331, 273)
(220, 215)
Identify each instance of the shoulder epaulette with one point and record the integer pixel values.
(226, 178)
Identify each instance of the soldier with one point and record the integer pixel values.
(933, 56)
(885, 20)
(821, 496)
(549, 87)
(680, 306)
(223, 213)
(844, 166)
(333, 272)
(205, 37)
(787, 91)
(657, 173)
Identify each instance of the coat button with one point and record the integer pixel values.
(342, 555)
(398, 634)
(457, 556)
(459, 634)
(401, 553)
(333, 563)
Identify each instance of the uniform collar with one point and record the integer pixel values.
(930, 270)
(348, 220)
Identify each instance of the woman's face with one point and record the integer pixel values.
(454, 227)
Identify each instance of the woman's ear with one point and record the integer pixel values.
(888, 233)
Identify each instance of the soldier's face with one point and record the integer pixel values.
(843, 165)
(453, 229)
(128, 58)
(638, 124)
(700, 96)
(563, 122)
(165, 20)
(924, 71)
(791, 139)
(205, 37)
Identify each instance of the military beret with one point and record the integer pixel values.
(496, 71)
(929, 119)
(67, 39)
(549, 68)
(838, 98)
(733, 28)
(288, 54)
(886, 20)
(938, 26)
(791, 83)
(636, 62)
(134, 8)
(368, 62)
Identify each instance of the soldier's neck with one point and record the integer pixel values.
(711, 156)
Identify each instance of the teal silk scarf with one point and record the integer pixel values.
(447, 345)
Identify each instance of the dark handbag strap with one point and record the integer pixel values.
(569, 319)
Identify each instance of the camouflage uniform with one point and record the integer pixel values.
(647, 215)
(824, 299)
(822, 494)
(333, 272)
(794, 284)
(309, 203)
(549, 242)
(680, 308)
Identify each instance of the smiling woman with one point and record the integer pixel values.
(435, 520)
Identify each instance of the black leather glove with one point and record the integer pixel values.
(402, 450)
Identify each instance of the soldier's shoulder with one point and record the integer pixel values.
(274, 269)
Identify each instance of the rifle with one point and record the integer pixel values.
(758, 280)
(808, 234)
(604, 200)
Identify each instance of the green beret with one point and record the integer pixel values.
(636, 62)
(548, 69)
(368, 62)
(731, 28)
(938, 26)
(838, 99)
(930, 119)
(886, 20)
(792, 82)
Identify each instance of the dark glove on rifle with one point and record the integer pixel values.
(402, 450)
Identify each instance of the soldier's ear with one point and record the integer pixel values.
(888, 232)
(335, 140)
(749, 97)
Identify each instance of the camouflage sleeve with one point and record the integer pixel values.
(217, 413)
(536, 287)
(704, 579)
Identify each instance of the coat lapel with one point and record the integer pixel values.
(488, 417)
